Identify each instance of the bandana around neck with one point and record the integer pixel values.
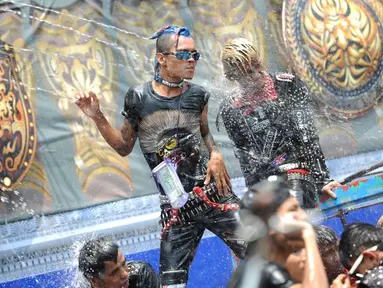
(251, 102)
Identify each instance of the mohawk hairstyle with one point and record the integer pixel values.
(167, 37)
(241, 54)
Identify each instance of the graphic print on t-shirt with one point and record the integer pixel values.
(169, 127)
(160, 139)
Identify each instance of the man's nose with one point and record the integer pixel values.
(124, 274)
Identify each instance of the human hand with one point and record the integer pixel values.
(88, 103)
(217, 169)
(296, 230)
(328, 188)
(342, 281)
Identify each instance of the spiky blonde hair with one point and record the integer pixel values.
(241, 54)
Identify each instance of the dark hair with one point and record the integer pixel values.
(164, 36)
(259, 203)
(326, 238)
(276, 189)
(165, 42)
(93, 255)
(328, 248)
(356, 238)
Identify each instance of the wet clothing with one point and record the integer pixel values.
(277, 136)
(155, 119)
(142, 275)
(169, 128)
(181, 240)
(373, 278)
(258, 273)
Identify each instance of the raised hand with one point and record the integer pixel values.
(88, 103)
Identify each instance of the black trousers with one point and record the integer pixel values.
(179, 243)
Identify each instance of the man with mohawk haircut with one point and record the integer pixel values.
(169, 117)
(271, 125)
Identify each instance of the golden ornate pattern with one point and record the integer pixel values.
(217, 22)
(79, 57)
(36, 178)
(141, 22)
(17, 122)
(336, 47)
(276, 35)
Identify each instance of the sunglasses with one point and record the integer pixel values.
(184, 55)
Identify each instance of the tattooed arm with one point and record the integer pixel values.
(216, 167)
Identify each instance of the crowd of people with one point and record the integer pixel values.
(284, 250)
(270, 122)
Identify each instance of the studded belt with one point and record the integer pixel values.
(300, 176)
(199, 201)
(290, 166)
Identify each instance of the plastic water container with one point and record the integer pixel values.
(166, 175)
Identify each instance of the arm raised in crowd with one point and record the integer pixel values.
(301, 234)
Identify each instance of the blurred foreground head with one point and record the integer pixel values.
(263, 204)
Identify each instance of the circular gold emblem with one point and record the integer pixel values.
(336, 48)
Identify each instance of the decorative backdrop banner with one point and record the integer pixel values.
(336, 48)
(52, 157)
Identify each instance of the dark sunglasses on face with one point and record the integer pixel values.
(184, 55)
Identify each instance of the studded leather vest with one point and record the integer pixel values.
(275, 133)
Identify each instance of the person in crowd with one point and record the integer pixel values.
(374, 277)
(358, 248)
(103, 264)
(269, 120)
(328, 248)
(276, 226)
(169, 116)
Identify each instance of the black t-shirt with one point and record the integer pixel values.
(257, 273)
(170, 127)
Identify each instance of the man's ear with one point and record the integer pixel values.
(95, 282)
(161, 58)
(371, 256)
